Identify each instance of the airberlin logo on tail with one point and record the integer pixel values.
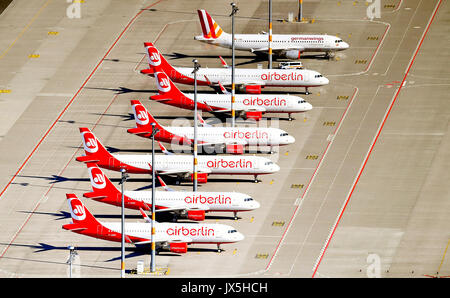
(163, 82)
(97, 178)
(153, 56)
(90, 142)
(140, 114)
(77, 210)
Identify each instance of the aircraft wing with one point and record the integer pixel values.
(159, 238)
(245, 83)
(183, 171)
(228, 142)
(258, 109)
(181, 208)
(277, 49)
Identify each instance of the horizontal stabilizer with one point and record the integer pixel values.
(148, 71)
(92, 195)
(87, 159)
(138, 130)
(73, 227)
(160, 97)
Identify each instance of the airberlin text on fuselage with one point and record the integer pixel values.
(182, 231)
(274, 102)
(218, 200)
(273, 76)
(241, 163)
(246, 134)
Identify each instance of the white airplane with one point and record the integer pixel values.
(179, 165)
(172, 236)
(250, 80)
(207, 135)
(184, 204)
(249, 106)
(283, 45)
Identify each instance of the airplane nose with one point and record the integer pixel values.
(275, 168)
(290, 140)
(239, 236)
(255, 205)
(345, 45)
(325, 81)
(307, 106)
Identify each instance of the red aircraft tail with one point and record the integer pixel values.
(144, 127)
(103, 190)
(93, 149)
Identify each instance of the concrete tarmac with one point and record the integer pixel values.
(361, 193)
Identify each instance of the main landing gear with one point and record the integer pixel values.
(307, 91)
(329, 55)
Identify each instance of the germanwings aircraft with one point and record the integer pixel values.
(207, 135)
(184, 204)
(283, 45)
(251, 80)
(179, 165)
(249, 106)
(172, 236)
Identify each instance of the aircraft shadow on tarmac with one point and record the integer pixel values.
(134, 251)
(123, 90)
(58, 179)
(125, 117)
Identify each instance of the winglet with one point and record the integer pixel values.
(163, 149)
(224, 63)
(164, 185)
(145, 216)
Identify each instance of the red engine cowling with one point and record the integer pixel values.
(178, 247)
(198, 215)
(201, 177)
(235, 149)
(253, 89)
(255, 115)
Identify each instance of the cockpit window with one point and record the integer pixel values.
(318, 76)
(283, 134)
(302, 101)
(248, 199)
(269, 163)
(232, 231)
(338, 41)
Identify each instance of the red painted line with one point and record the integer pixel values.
(57, 119)
(73, 98)
(51, 187)
(328, 145)
(310, 181)
(376, 138)
(73, 155)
